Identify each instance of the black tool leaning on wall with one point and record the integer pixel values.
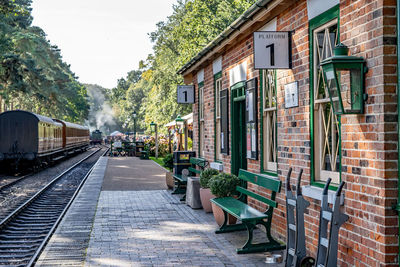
(296, 254)
(327, 247)
(296, 243)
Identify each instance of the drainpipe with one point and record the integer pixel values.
(398, 114)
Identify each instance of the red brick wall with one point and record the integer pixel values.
(369, 141)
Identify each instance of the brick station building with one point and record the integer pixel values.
(359, 149)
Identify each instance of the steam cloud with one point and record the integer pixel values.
(100, 113)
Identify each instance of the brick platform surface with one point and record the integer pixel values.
(132, 173)
(141, 228)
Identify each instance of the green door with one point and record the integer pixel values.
(238, 124)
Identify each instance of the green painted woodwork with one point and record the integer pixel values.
(238, 127)
(239, 209)
(198, 110)
(216, 77)
(202, 163)
(256, 196)
(398, 112)
(194, 170)
(249, 216)
(270, 183)
(314, 23)
(332, 67)
(262, 169)
(181, 181)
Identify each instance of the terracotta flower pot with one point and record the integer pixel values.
(205, 196)
(219, 215)
(169, 180)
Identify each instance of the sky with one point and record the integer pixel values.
(102, 40)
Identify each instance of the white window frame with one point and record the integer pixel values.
(201, 117)
(270, 160)
(218, 88)
(326, 126)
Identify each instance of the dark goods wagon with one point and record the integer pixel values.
(26, 136)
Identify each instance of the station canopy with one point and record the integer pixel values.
(116, 133)
(188, 118)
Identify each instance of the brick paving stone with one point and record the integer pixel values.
(153, 228)
(140, 228)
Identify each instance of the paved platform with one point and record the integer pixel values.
(140, 225)
(132, 173)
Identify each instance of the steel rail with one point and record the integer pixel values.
(53, 229)
(3, 187)
(26, 206)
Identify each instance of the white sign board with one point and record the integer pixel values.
(291, 95)
(272, 50)
(185, 94)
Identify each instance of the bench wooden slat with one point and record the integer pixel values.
(257, 196)
(261, 180)
(249, 215)
(238, 209)
(198, 161)
(180, 177)
(191, 169)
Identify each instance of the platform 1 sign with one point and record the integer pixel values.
(185, 94)
(272, 50)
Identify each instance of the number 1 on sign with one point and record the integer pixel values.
(185, 93)
(272, 54)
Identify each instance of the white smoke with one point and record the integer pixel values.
(101, 115)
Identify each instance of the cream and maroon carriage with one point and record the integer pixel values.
(26, 136)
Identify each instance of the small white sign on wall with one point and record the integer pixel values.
(272, 50)
(292, 95)
(185, 94)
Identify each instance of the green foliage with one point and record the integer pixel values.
(33, 75)
(223, 184)
(151, 90)
(169, 161)
(150, 145)
(206, 175)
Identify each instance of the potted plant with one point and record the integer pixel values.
(205, 192)
(223, 185)
(168, 164)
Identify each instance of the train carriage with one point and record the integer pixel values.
(74, 135)
(26, 135)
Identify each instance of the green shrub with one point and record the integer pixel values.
(169, 161)
(223, 184)
(206, 175)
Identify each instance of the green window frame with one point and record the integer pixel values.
(327, 140)
(217, 119)
(268, 138)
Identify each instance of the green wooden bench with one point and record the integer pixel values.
(181, 180)
(249, 216)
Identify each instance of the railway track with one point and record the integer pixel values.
(25, 232)
(5, 186)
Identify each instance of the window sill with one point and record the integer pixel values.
(217, 166)
(316, 193)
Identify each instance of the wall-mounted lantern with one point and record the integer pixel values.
(153, 126)
(180, 127)
(344, 78)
